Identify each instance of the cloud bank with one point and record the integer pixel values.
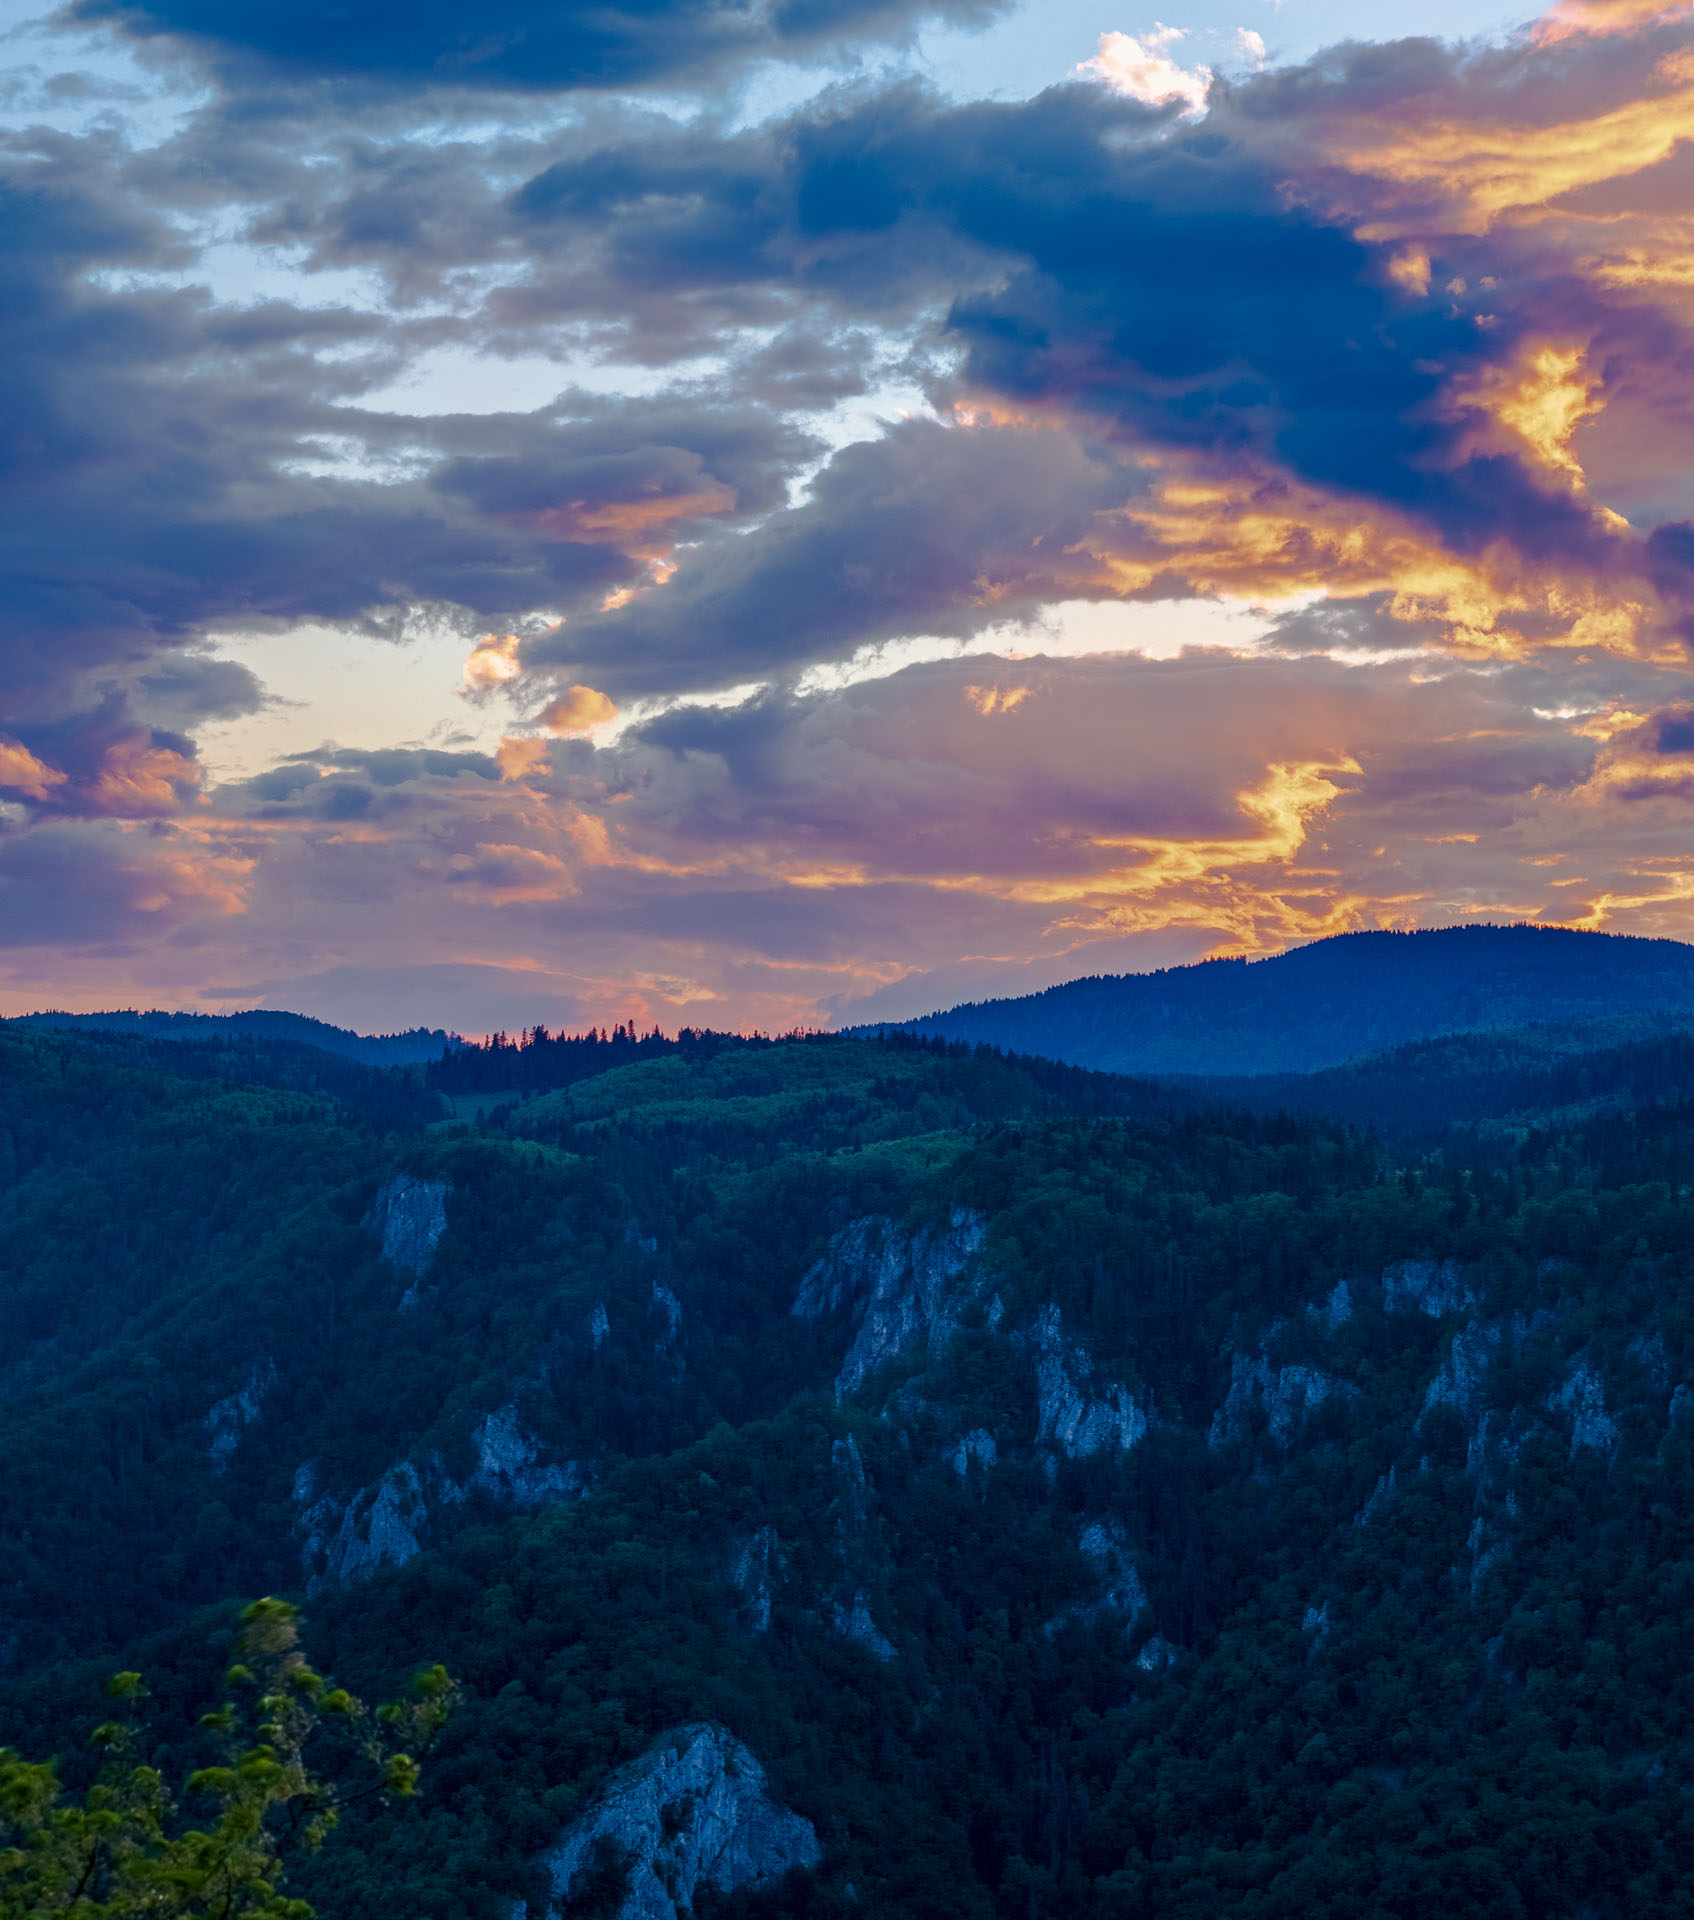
(1394, 345)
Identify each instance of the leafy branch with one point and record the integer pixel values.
(123, 1850)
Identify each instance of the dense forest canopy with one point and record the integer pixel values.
(1084, 1496)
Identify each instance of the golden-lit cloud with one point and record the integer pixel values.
(1542, 397)
(492, 662)
(21, 772)
(1576, 19)
(1479, 171)
(577, 710)
(520, 759)
(138, 778)
(992, 700)
(644, 527)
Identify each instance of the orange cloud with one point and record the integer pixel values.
(522, 759)
(1479, 171)
(138, 779)
(991, 700)
(1574, 19)
(21, 772)
(577, 710)
(1543, 398)
(644, 527)
(491, 663)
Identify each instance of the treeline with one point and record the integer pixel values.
(538, 1061)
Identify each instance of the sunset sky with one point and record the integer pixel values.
(773, 512)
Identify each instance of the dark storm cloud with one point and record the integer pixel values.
(515, 45)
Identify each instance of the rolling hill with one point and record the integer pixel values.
(1329, 1002)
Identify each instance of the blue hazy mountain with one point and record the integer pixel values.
(1320, 1005)
(262, 1023)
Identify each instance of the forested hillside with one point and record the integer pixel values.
(1043, 1493)
(1322, 1004)
(260, 1026)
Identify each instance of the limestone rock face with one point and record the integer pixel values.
(345, 1538)
(409, 1216)
(1583, 1397)
(1287, 1393)
(694, 1810)
(1122, 1594)
(510, 1467)
(905, 1287)
(1072, 1411)
(1464, 1372)
(1435, 1287)
(756, 1564)
(977, 1449)
(235, 1413)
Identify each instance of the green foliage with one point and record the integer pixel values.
(120, 1850)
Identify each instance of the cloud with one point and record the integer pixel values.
(928, 529)
(515, 45)
(1142, 70)
(22, 774)
(1396, 342)
(577, 710)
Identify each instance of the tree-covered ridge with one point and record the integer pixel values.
(262, 1024)
(1322, 1004)
(1153, 1508)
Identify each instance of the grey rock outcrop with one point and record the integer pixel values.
(1462, 1380)
(378, 1526)
(1582, 1395)
(849, 1610)
(695, 1810)
(1122, 1595)
(1485, 1555)
(977, 1449)
(1337, 1310)
(853, 1620)
(409, 1217)
(346, 1538)
(1288, 1394)
(1072, 1410)
(1435, 1287)
(236, 1412)
(1382, 1493)
(509, 1465)
(905, 1288)
(756, 1564)
(669, 1309)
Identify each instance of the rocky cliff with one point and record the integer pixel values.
(695, 1810)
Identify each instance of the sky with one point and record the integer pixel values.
(773, 513)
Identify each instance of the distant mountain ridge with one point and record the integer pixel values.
(1321, 1005)
(261, 1023)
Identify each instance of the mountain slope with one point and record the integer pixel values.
(374, 1050)
(1078, 1500)
(1322, 1004)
